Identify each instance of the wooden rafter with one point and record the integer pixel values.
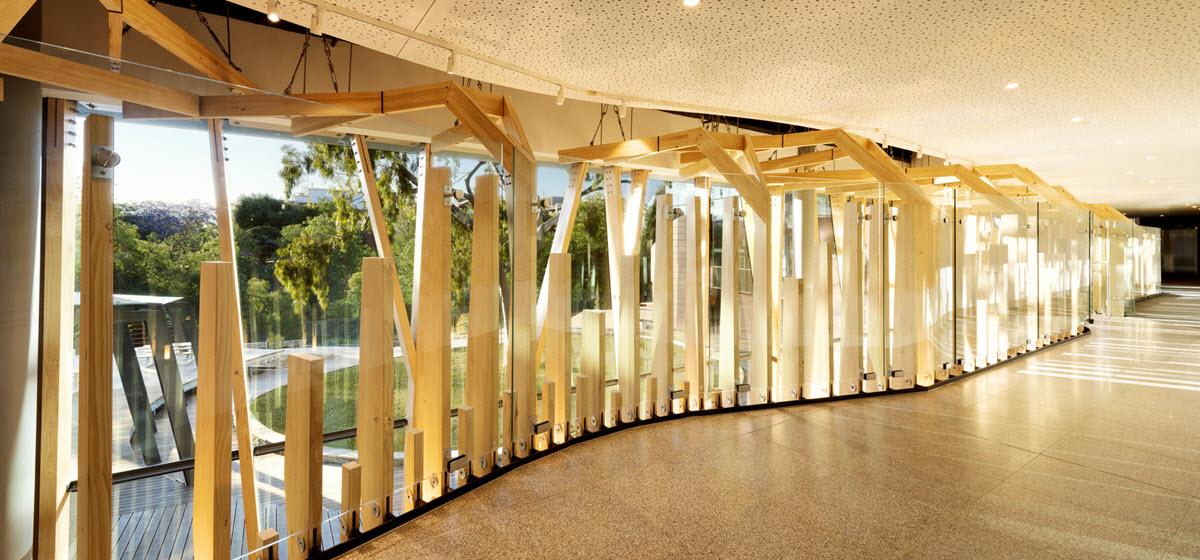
(11, 12)
(167, 34)
(449, 137)
(747, 185)
(55, 71)
(804, 160)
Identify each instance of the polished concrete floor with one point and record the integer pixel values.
(1088, 450)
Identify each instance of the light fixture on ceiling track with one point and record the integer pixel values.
(920, 152)
(273, 11)
(885, 142)
(317, 25)
(451, 62)
(622, 109)
(561, 97)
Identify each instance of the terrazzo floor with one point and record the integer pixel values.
(1088, 450)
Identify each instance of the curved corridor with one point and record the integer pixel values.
(1087, 450)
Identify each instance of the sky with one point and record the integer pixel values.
(171, 164)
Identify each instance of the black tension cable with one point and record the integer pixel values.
(329, 61)
(303, 54)
(213, 34)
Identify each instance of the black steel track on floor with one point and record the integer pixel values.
(393, 522)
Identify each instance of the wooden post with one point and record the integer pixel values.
(583, 403)
(414, 469)
(877, 300)
(731, 242)
(696, 303)
(56, 337)
(763, 264)
(351, 498)
(483, 319)
(228, 251)
(94, 502)
(557, 333)
(269, 544)
(522, 334)
(662, 366)
(849, 374)
(906, 296)
(430, 392)
(376, 385)
(591, 364)
(543, 441)
(791, 354)
(217, 360)
(305, 427)
(816, 304)
(466, 423)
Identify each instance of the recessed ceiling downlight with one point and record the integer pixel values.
(1011, 85)
(691, 3)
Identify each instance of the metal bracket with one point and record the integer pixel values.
(541, 428)
(104, 159)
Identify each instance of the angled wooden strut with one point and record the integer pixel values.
(561, 243)
(159, 28)
(228, 253)
(383, 244)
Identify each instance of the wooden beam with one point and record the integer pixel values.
(383, 245)
(376, 383)
(303, 454)
(39, 67)
(804, 160)
(449, 137)
(631, 148)
(872, 158)
(94, 500)
(430, 389)
(483, 316)
(11, 12)
(227, 247)
(753, 191)
(303, 126)
(497, 142)
(157, 27)
(345, 104)
(512, 124)
(57, 334)
(217, 359)
(759, 244)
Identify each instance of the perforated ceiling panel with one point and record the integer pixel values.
(927, 72)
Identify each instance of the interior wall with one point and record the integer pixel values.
(20, 227)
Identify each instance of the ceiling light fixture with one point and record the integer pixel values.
(622, 109)
(1149, 157)
(691, 3)
(316, 25)
(1076, 119)
(1011, 86)
(885, 142)
(1118, 141)
(451, 61)
(561, 97)
(273, 11)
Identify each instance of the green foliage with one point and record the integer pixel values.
(150, 265)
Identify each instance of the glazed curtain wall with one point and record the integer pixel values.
(860, 292)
